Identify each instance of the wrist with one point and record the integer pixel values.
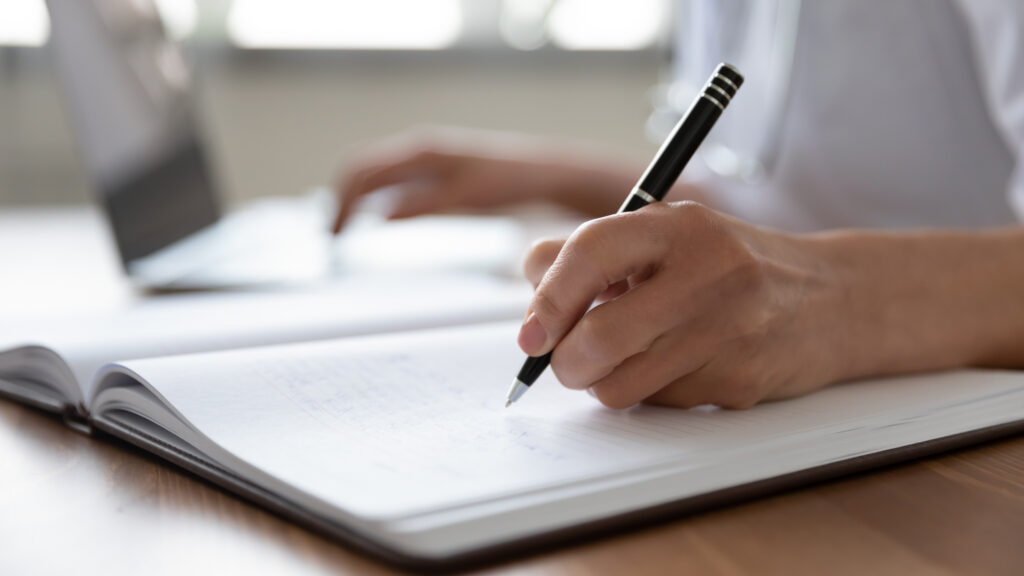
(832, 346)
(850, 319)
(922, 301)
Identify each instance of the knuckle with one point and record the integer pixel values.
(418, 144)
(747, 345)
(597, 338)
(547, 309)
(587, 245)
(422, 151)
(688, 403)
(541, 255)
(675, 395)
(748, 271)
(368, 159)
(589, 236)
(356, 176)
(691, 212)
(711, 229)
(547, 248)
(587, 355)
(684, 403)
(562, 364)
(543, 252)
(614, 397)
(423, 135)
(741, 391)
(741, 272)
(349, 173)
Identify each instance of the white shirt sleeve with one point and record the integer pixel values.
(997, 33)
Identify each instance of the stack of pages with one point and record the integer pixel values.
(399, 443)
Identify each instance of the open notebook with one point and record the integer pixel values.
(51, 363)
(400, 443)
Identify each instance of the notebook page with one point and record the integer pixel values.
(197, 322)
(395, 425)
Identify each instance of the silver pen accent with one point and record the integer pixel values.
(643, 194)
(717, 104)
(515, 392)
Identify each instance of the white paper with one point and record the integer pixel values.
(397, 425)
(197, 322)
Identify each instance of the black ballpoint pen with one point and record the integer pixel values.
(659, 177)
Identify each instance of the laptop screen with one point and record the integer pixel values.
(126, 86)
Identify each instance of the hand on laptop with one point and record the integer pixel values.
(446, 169)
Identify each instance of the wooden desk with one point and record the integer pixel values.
(73, 505)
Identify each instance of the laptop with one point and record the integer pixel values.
(126, 86)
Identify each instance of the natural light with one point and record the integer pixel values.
(385, 24)
(23, 23)
(351, 24)
(606, 24)
(27, 23)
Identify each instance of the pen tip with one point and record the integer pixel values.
(517, 390)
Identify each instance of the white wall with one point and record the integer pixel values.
(281, 122)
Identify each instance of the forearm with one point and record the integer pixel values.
(590, 184)
(908, 302)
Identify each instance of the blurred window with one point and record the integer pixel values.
(583, 24)
(23, 23)
(345, 24)
(612, 25)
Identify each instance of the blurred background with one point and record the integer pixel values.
(288, 90)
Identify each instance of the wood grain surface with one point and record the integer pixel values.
(74, 505)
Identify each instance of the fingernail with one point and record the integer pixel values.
(532, 336)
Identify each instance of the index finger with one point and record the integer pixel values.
(599, 254)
